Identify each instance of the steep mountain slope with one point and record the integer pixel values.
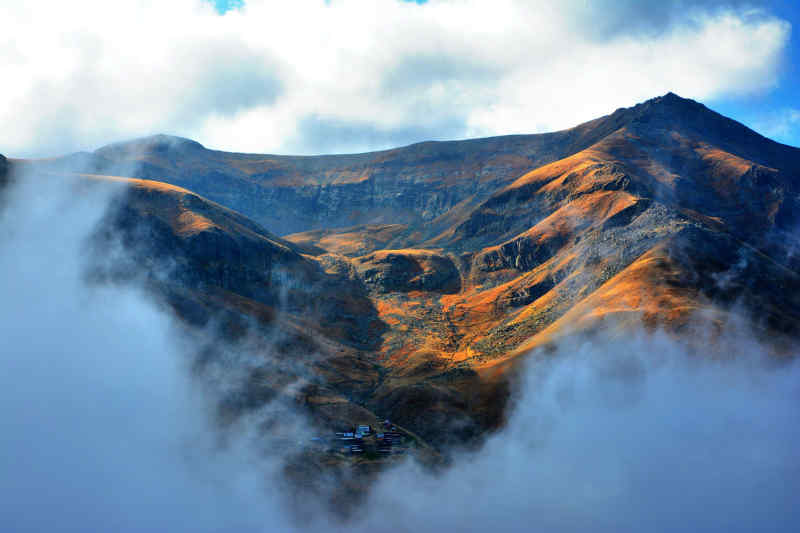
(3, 170)
(678, 213)
(422, 274)
(659, 182)
(238, 288)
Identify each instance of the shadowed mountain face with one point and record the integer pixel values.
(419, 275)
(3, 170)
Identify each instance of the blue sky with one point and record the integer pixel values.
(226, 5)
(774, 112)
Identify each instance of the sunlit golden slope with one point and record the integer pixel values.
(354, 241)
(659, 222)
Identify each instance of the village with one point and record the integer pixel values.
(364, 439)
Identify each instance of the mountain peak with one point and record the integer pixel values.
(159, 143)
(171, 139)
(671, 97)
(671, 111)
(672, 104)
(693, 119)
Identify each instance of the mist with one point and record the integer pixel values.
(101, 426)
(633, 434)
(105, 427)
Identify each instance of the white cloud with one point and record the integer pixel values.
(103, 429)
(632, 434)
(80, 74)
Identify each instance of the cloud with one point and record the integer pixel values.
(85, 73)
(626, 434)
(605, 18)
(104, 427)
(336, 135)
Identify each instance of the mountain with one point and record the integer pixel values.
(410, 185)
(422, 275)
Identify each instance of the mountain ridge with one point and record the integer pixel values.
(431, 178)
(423, 275)
(670, 99)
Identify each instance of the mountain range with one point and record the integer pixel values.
(410, 283)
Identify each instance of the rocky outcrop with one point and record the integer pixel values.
(3, 170)
(408, 270)
(522, 254)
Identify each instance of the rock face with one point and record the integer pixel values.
(198, 245)
(224, 274)
(3, 170)
(408, 270)
(424, 273)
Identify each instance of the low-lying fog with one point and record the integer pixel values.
(103, 429)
